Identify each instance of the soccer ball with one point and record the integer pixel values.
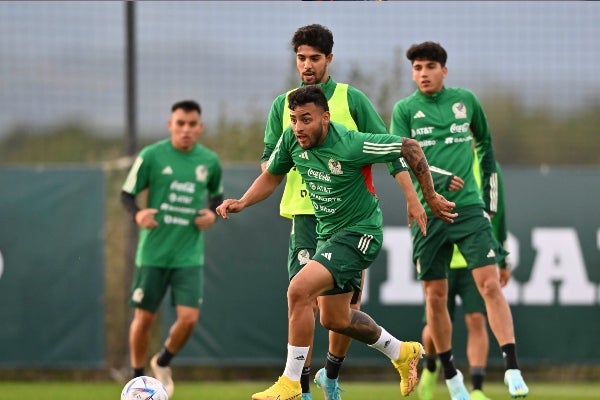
(144, 388)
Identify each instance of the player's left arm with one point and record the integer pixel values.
(485, 150)
(414, 156)
(500, 231)
(368, 120)
(400, 125)
(415, 212)
(385, 148)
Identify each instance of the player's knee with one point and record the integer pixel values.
(332, 322)
(475, 321)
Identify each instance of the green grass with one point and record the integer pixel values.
(37, 390)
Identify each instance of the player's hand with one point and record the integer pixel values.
(145, 218)
(205, 219)
(504, 276)
(229, 206)
(456, 183)
(416, 212)
(442, 208)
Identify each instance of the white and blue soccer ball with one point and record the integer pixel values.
(144, 388)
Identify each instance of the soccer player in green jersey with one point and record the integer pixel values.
(179, 175)
(331, 160)
(446, 122)
(313, 46)
(461, 284)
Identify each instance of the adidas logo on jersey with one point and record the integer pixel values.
(304, 155)
(326, 255)
(167, 170)
(491, 254)
(419, 114)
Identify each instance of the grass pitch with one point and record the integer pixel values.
(46, 390)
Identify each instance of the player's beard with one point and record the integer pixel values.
(316, 139)
(312, 79)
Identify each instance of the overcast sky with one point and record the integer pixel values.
(65, 59)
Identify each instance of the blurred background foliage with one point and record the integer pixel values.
(521, 136)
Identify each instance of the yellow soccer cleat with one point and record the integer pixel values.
(406, 365)
(283, 389)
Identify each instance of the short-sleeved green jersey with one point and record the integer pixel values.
(178, 185)
(348, 106)
(334, 173)
(445, 124)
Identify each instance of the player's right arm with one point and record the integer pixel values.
(273, 129)
(136, 181)
(278, 165)
(261, 188)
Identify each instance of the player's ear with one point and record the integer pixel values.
(326, 117)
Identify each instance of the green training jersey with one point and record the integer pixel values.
(445, 124)
(348, 106)
(335, 176)
(178, 185)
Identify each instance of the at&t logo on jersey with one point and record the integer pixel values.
(426, 130)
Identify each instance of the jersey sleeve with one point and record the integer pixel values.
(368, 120)
(485, 151)
(373, 149)
(139, 174)
(400, 120)
(499, 218)
(280, 161)
(215, 185)
(274, 126)
(399, 125)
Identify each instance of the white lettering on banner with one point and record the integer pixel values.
(558, 274)
(559, 262)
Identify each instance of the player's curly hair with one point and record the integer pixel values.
(308, 94)
(315, 35)
(430, 51)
